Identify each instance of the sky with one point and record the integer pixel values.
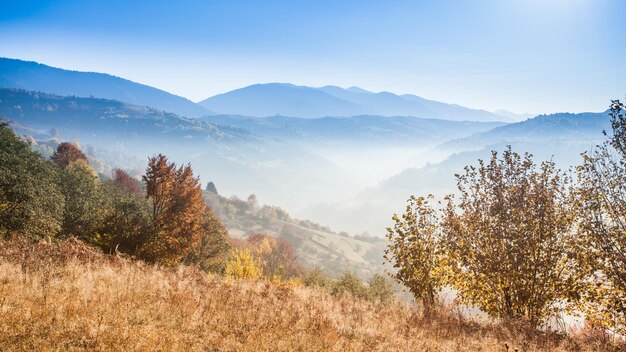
(537, 56)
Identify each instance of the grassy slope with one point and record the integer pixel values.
(69, 297)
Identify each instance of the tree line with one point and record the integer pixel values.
(524, 240)
(162, 219)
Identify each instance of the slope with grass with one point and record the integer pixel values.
(68, 297)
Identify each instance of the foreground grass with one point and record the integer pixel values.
(69, 297)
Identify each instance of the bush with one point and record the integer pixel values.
(242, 265)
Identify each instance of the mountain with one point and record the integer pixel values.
(38, 77)
(281, 99)
(269, 99)
(583, 129)
(514, 116)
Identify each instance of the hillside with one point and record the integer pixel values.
(68, 297)
(285, 99)
(361, 130)
(583, 128)
(316, 246)
(34, 76)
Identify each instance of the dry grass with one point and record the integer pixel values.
(68, 297)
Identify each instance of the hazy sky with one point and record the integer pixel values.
(522, 55)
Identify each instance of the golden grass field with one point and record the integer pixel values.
(68, 297)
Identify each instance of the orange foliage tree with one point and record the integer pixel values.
(66, 154)
(177, 210)
(125, 183)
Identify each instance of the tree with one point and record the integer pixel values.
(30, 201)
(66, 154)
(603, 226)
(317, 278)
(379, 289)
(123, 181)
(211, 252)
(508, 240)
(210, 187)
(242, 265)
(413, 250)
(125, 225)
(178, 210)
(84, 201)
(349, 283)
(276, 256)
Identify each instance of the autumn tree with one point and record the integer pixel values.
(603, 226)
(242, 265)
(31, 203)
(125, 183)
(67, 153)
(276, 256)
(177, 210)
(508, 239)
(413, 250)
(212, 251)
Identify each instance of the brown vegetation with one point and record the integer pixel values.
(68, 297)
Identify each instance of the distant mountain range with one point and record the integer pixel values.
(259, 100)
(300, 101)
(37, 77)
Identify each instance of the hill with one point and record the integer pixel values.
(66, 296)
(353, 131)
(316, 246)
(270, 99)
(34, 76)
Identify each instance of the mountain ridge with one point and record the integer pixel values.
(268, 99)
(34, 76)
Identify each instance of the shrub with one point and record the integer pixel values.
(242, 265)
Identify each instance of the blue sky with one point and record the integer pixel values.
(521, 55)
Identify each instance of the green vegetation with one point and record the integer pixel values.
(31, 202)
(63, 197)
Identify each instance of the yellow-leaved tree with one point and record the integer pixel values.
(508, 238)
(242, 265)
(413, 250)
(603, 227)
